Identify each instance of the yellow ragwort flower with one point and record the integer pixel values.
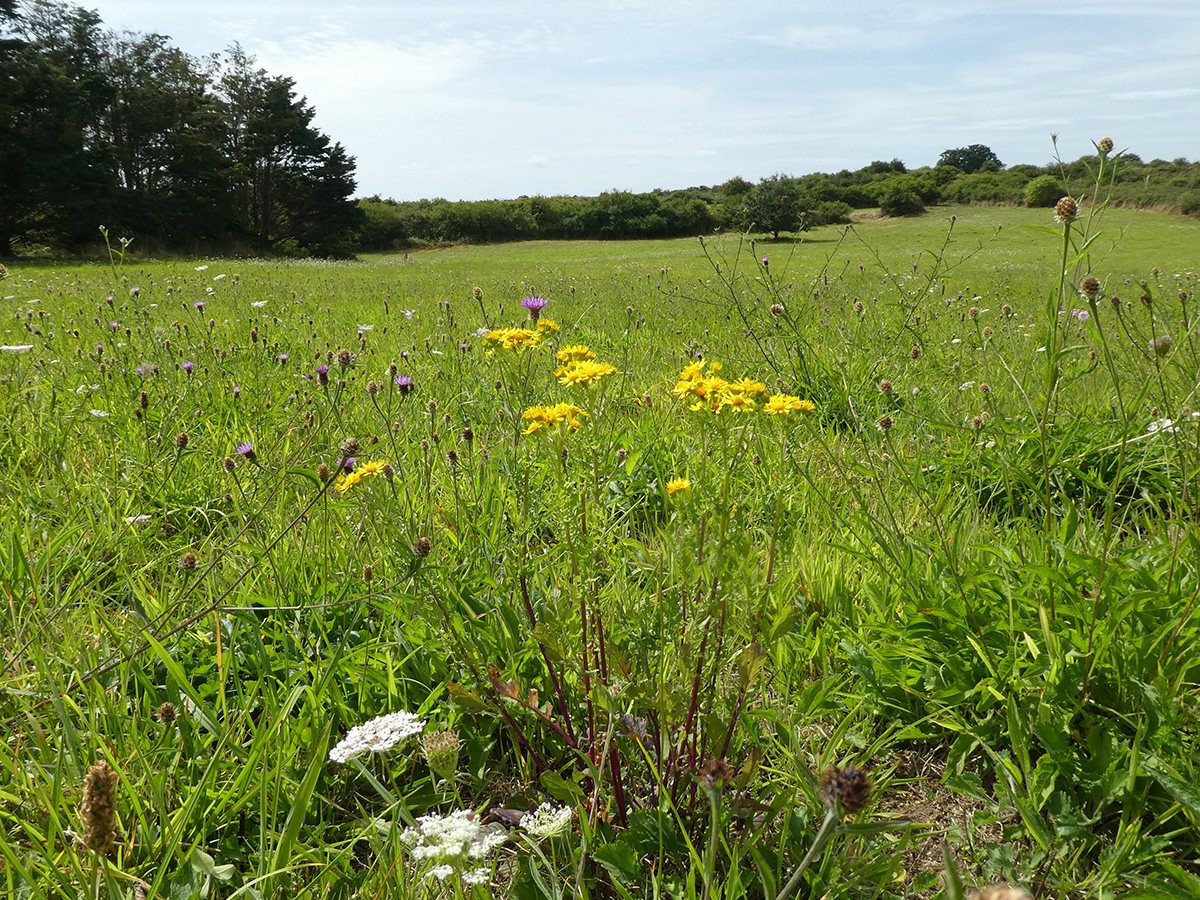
(347, 480)
(544, 418)
(676, 485)
(513, 338)
(786, 404)
(546, 325)
(583, 371)
(573, 352)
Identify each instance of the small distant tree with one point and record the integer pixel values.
(898, 200)
(976, 158)
(775, 205)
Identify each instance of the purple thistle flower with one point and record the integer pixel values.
(283, 358)
(766, 262)
(534, 302)
(187, 366)
(199, 304)
(404, 384)
(347, 464)
(322, 373)
(135, 291)
(114, 325)
(246, 450)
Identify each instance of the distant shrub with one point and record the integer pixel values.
(1189, 203)
(899, 201)
(828, 212)
(1045, 190)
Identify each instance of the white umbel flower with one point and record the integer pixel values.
(547, 820)
(377, 736)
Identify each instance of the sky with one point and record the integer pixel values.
(482, 99)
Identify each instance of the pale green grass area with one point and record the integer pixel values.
(971, 570)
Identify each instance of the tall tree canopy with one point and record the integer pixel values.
(128, 131)
(976, 158)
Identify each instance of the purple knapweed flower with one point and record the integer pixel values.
(535, 304)
(347, 464)
(404, 384)
(246, 450)
(135, 291)
(198, 305)
(322, 373)
(283, 358)
(766, 262)
(187, 366)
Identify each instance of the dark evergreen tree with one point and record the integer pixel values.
(976, 158)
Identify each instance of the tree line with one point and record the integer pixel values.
(776, 204)
(127, 131)
(213, 154)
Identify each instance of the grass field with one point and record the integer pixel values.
(864, 566)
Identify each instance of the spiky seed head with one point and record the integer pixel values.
(1066, 209)
(187, 562)
(422, 546)
(167, 713)
(849, 787)
(1090, 287)
(1105, 146)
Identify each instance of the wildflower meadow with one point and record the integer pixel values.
(864, 566)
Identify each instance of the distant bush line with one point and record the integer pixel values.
(802, 202)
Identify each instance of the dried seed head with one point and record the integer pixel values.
(98, 808)
(1066, 210)
(914, 352)
(344, 357)
(368, 572)
(886, 424)
(187, 562)
(388, 471)
(467, 434)
(776, 309)
(167, 713)
(1105, 146)
(349, 446)
(372, 388)
(849, 787)
(229, 464)
(973, 312)
(1161, 345)
(885, 387)
(181, 440)
(1090, 287)
(452, 456)
(714, 774)
(422, 546)
(323, 472)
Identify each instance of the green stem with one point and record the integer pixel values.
(827, 828)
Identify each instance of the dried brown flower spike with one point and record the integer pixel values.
(850, 787)
(98, 808)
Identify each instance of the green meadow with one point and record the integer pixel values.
(859, 565)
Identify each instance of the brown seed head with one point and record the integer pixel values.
(714, 774)
(1066, 209)
(422, 546)
(181, 440)
(1105, 146)
(98, 808)
(323, 472)
(368, 572)
(1089, 287)
(166, 713)
(229, 464)
(187, 562)
(849, 787)
(349, 446)
(344, 357)
(885, 387)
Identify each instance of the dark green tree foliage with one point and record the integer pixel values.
(129, 132)
(777, 203)
(54, 173)
(975, 158)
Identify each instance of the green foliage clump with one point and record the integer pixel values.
(1043, 191)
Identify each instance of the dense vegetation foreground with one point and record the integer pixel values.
(862, 567)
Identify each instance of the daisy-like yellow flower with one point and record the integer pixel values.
(748, 386)
(786, 404)
(544, 418)
(675, 485)
(546, 325)
(583, 371)
(736, 401)
(513, 338)
(573, 352)
(347, 480)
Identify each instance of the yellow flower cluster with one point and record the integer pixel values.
(347, 480)
(583, 371)
(513, 338)
(786, 404)
(714, 393)
(573, 352)
(544, 418)
(676, 485)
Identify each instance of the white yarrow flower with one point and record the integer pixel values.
(451, 840)
(377, 736)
